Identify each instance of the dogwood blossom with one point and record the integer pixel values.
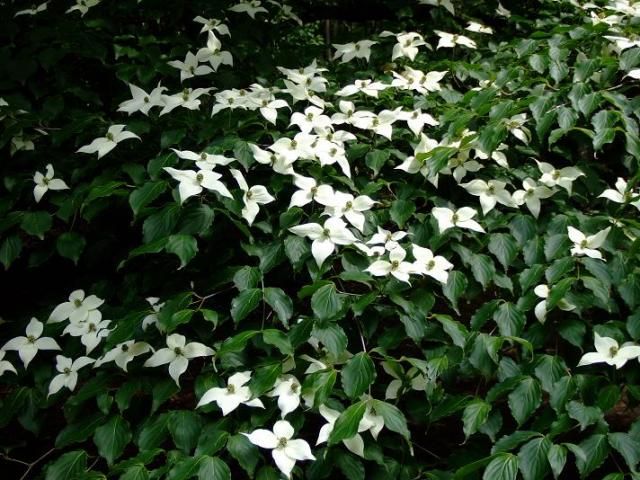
(286, 450)
(253, 197)
(68, 376)
(204, 160)
(177, 354)
(371, 421)
(621, 194)
(288, 389)
(490, 193)
(563, 177)
(250, 7)
(152, 318)
(5, 365)
(428, 264)
(142, 101)
(269, 109)
(311, 119)
(390, 240)
(462, 218)
(412, 378)
(354, 444)
(450, 40)
(368, 87)
(77, 309)
(32, 11)
(309, 191)
(229, 398)
(190, 67)
(411, 79)
(213, 54)
(610, 352)
(478, 28)
(416, 120)
(447, 4)
(103, 145)
(83, 6)
(531, 195)
(46, 182)
(188, 98)
(348, 51)
(350, 207)
(395, 266)
(325, 237)
(209, 24)
(28, 346)
(123, 353)
(587, 245)
(407, 45)
(516, 127)
(279, 163)
(192, 183)
(540, 310)
(91, 332)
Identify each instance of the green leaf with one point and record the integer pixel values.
(196, 220)
(245, 453)
(69, 245)
(483, 269)
(153, 432)
(350, 466)
(279, 340)
(557, 456)
(143, 196)
(584, 415)
(525, 399)
(326, 302)
(247, 277)
(376, 159)
(112, 437)
(502, 467)
(184, 427)
(626, 446)
(36, 223)
(509, 442)
(504, 247)
(333, 337)
(280, 303)
(135, 472)
(245, 303)
(357, 374)
(533, 461)
(455, 287)
(596, 450)
(79, 431)
(346, 425)
(454, 329)
(401, 211)
(531, 277)
(474, 416)
(10, 250)
(69, 466)
(394, 419)
(184, 246)
(510, 320)
(320, 384)
(213, 468)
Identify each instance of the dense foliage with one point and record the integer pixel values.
(248, 240)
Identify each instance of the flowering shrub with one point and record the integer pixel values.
(242, 243)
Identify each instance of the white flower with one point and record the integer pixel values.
(5, 365)
(103, 145)
(563, 177)
(142, 101)
(325, 237)
(354, 444)
(390, 240)
(416, 120)
(620, 194)
(190, 67)
(192, 183)
(349, 51)
(450, 40)
(540, 311)
(328, 153)
(188, 98)
(461, 165)
(371, 421)
(91, 332)
(309, 190)
(123, 353)
(609, 352)
(285, 450)
(177, 355)
(311, 119)
(68, 376)
(46, 182)
(344, 204)
(294, 148)
(252, 197)
(83, 6)
(635, 73)
(440, 3)
(380, 123)
(77, 309)
(490, 193)
(478, 28)
(209, 24)
(32, 11)
(462, 218)
(417, 380)
(235, 393)
(407, 45)
(279, 163)
(622, 43)
(396, 266)
(152, 318)
(503, 12)
(250, 7)
(515, 125)
(428, 264)
(287, 388)
(29, 346)
(204, 160)
(531, 194)
(588, 246)
(368, 87)
(269, 109)
(213, 54)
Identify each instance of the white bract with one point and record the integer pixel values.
(142, 101)
(531, 195)
(103, 145)
(91, 332)
(192, 183)
(587, 245)
(345, 205)
(229, 398)
(416, 120)
(252, 197)
(450, 40)
(428, 264)
(32, 11)
(515, 125)
(83, 6)
(349, 51)
(77, 309)
(68, 376)
(177, 355)
(209, 24)
(490, 193)
(395, 266)
(309, 191)
(250, 7)
(213, 53)
(540, 310)
(463, 218)
(152, 318)
(28, 346)
(447, 4)
(286, 450)
(190, 67)
(608, 351)
(123, 353)
(390, 240)
(478, 28)
(354, 444)
(325, 237)
(188, 98)
(5, 365)
(621, 194)
(288, 389)
(46, 182)
(407, 45)
(412, 379)
(563, 177)
(204, 160)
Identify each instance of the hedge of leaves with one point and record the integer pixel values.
(242, 244)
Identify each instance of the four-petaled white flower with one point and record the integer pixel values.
(142, 101)
(515, 125)
(123, 353)
(177, 355)
(540, 311)
(354, 444)
(416, 120)
(68, 376)
(621, 194)
(390, 240)
(204, 160)
(213, 53)
(609, 352)
(83, 6)
(395, 266)
(188, 98)
(371, 421)
(344, 204)
(209, 24)
(407, 45)
(152, 318)
(462, 218)
(288, 389)
(531, 195)
(190, 67)
(103, 145)
(349, 51)
(489, 193)
(478, 28)
(587, 245)
(34, 10)
(428, 264)
(91, 332)
(412, 379)
(563, 177)
(310, 191)
(230, 397)
(252, 197)
(250, 7)
(312, 118)
(450, 40)
(325, 237)
(5, 365)
(46, 182)
(192, 183)
(440, 3)
(286, 450)
(29, 346)
(77, 309)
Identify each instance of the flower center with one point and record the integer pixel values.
(357, 47)
(45, 180)
(67, 371)
(31, 339)
(294, 387)
(555, 175)
(199, 177)
(77, 302)
(530, 192)
(584, 244)
(294, 144)
(430, 264)
(326, 232)
(375, 122)
(309, 116)
(282, 442)
(109, 136)
(313, 190)
(454, 218)
(613, 351)
(147, 99)
(124, 348)
(491, 189)
(192, 70)
(231, 389)
(92, 327)
(249, 195)
(203, 156)
(348, 205)
(177, 351)
(395, 264)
